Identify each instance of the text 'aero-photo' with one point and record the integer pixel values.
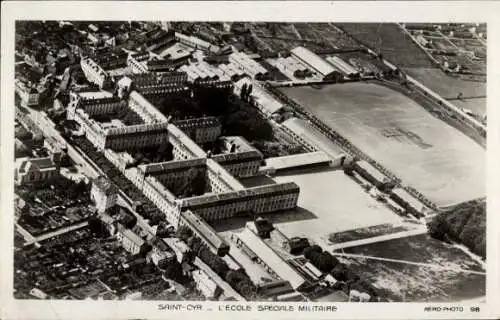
(318, 162)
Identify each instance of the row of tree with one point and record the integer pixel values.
(347, 279)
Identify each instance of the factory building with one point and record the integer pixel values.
(248, 65)
(342, 66)
(313, 61)
(196, 43)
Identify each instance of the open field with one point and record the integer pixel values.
(419, 283)
(448, 87)
(426, 153)
(335, 202)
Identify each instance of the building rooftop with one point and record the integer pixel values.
(140, 128)
(271, 258)
(298, 160)
(95, 94)
(197, 42)
(176, 51)
(337, 296)
(239, 194)
(318, 63)
(35, 164)
(222, 173)
(262, 98)
(403, 194)
(208, 234)
(127, 233)
(164, 167)
(139, 98)
(371, 170)
(105, 185)
(188, 143)
(237, 156)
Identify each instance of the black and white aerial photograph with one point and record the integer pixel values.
(250, 161)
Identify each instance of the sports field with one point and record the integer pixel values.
(447, 86)
(426, 153)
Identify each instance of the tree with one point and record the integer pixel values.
(156, 217)
(437, 227)
(325, 261)
(197, 244)
(213, 261)
(184, 233)
(233, 277)
(173, 270)
(146, 248)
(243, 93)
(310, 250)
(97, 227)
(339, 272)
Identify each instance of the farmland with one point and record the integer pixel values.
(318, 37)
(423, 151)
(398, 48)
(447, 86)
(394, 45)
